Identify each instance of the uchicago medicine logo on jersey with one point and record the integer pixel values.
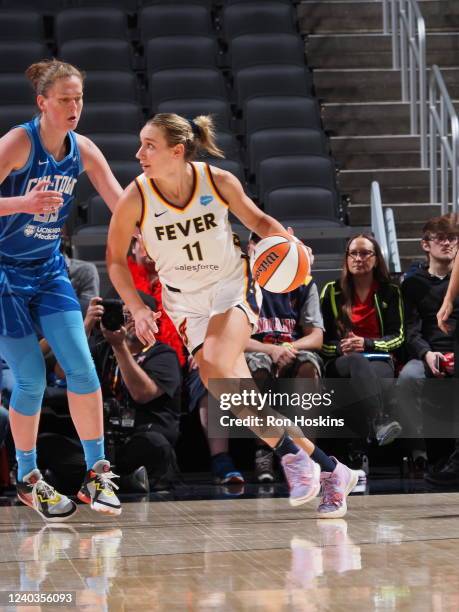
(62, 183)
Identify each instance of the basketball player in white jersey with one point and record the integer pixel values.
(181, 207)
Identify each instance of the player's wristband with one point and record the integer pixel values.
(288, 345)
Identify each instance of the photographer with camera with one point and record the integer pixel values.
(141, 388)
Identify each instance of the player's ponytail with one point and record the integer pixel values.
(204, 132)
(45, 73)
(197, 135)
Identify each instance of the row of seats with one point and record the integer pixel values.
(129, 6)
(153, 21)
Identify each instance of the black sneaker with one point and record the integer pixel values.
(386, 432)
(264, 470)
(447, 476)
(98, 489)
(34, 492)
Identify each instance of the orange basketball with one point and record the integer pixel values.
(280, 264)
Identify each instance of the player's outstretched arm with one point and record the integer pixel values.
(99, 172)
(14, 153)
(123, 225)
(244, 208)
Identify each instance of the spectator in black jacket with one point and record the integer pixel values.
(363, 319)
(424, 292)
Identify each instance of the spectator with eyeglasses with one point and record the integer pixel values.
(363, 319)
(430, 347)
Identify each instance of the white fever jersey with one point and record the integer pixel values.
(192, 247)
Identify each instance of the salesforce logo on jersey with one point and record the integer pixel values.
(205, 200)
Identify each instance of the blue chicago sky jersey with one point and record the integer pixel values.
(27, 236)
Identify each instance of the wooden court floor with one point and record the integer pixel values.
(392, 552)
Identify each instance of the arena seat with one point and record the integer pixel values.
(191, 108)
(98, 22)
(296, 171)
(269, 80)
(19, 25)
(96, 54)
(173, 20)
(167, 52)
(209, 4)
(186, 83)
(281, 111)
(111, 86)
(46, 6)
(130, 6)
(230, 2)
(284, 141)
(16, 56)
(303, 203)
(14, 115)
(98, 212)
(227, 142)
(258, 49)
(15, 89)
(111, 117)
(229, 165)
(117, 146)
(125, 171)
(257, 17)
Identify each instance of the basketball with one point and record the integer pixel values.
(280, 264)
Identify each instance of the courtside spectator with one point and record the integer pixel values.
(423, 291)
(363, 317)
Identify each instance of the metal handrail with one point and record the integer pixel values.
(383, 228)
(444, 134)
(409, 56)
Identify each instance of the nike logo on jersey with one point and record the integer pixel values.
(161, 213)
(198, 224)
(42, 163)
(206, 199)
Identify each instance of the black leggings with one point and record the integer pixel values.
(365, 395)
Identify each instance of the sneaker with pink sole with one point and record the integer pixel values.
(336, 486)
(303, 477)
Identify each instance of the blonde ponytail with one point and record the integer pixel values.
(195, 136)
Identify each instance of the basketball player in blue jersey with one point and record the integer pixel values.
(40, 162)
(181, 207)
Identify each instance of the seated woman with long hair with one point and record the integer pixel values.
(363, 319)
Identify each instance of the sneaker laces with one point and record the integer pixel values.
(332, 496)
(265, 462)
(294, 471)
(105, 478)
(45, 489)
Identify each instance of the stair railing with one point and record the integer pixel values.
(444, 139)
(409, 56)
(383, 228)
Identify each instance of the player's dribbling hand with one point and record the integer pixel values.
(308, 249)
(39, 200)
(443, 315)
(145, 325)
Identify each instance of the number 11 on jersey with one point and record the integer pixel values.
(188, 248)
